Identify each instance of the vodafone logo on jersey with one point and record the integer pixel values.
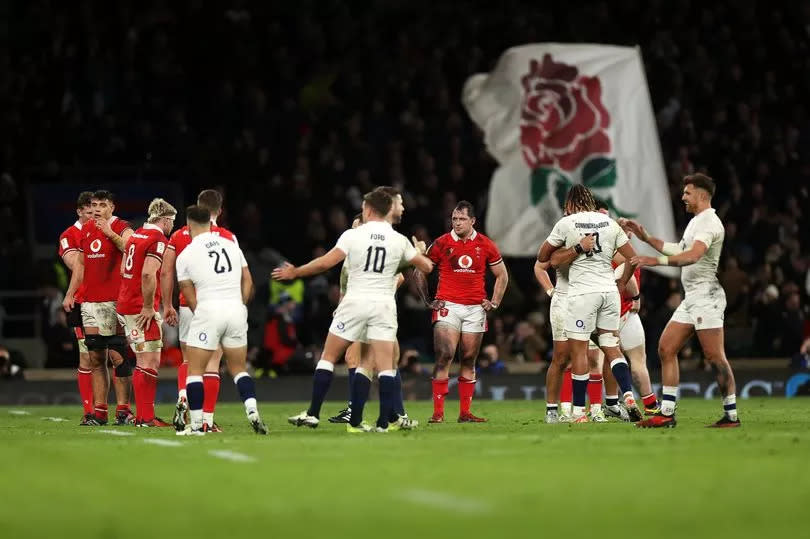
(464, 262)
(95, 246)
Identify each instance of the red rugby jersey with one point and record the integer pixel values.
(70, 241)
(462, 266)
(102, 261)
(147, 241)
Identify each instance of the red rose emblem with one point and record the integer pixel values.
(563, 119)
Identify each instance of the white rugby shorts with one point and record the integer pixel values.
(216, 323)
(142, 339)
(589, 312)
(631, 332)
(362, 319)
(100, 315)
(704, 310)
(462, 318)
(184, 317)
(557, 313)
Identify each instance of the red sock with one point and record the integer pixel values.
(595, 389)
(101, 412)
(439, 394)
(149, 384)
(122, 408)
(650, 401)
(182, 372)
(210, 391)
(567, 389)
(85, 377)
(466, 389)
(137, 388)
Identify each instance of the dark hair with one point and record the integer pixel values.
(379, 201)
(580, 199)
(84, 199)
(210, 199)
(388, 190)
(103, 194)
(701, 181)
(601, 205)
(198, 215)
(465, 205)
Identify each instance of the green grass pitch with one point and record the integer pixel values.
(512, 477)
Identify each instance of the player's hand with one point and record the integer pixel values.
(285, 272)
(104, 226)
(436, 304)
(144, 320)
(488, 305)
(636, 306)
(68, 303)
(587, 242)
(170, 315)
(642, 261)
(419, 244)
(633, 227)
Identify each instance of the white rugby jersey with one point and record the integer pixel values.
(214, 265)
(707, 228)
(561, 284)
(374, 254)
(590, 272)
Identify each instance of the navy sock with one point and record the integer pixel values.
(351, 381)
(611, 401)
(321, 381)
(246, 387)
(387, 384)
(580, 390)
(194, 394)
(360, 389)
(398, 404)
(621, 372)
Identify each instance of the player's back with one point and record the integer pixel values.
(593, 271)
(374, 253)
(214, 265)
(102, 261)
(147, 241)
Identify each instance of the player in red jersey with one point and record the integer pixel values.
(461, 305)
(69, 252)
(103, 239)
(212, 201)
(139, 302)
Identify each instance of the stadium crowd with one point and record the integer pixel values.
(296, 109)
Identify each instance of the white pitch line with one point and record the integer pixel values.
(55, 419)
(443, 500)
(233, 456)
(19, 412)
(162, 442)
(116, 432)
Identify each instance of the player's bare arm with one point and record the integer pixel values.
(247, 285)
(189, 292)
(564, 257)
(501, 280)
(167, 286)
(148, 288)
(685, 258)
(422, 263)
(628, 253)
(634, 227)
(119, 241)
(288, 272)
(74, 260)
(541, 274)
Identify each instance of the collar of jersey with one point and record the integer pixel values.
(456, 238)
(150, 226)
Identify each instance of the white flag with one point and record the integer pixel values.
(555, 115)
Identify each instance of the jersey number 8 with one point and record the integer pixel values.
(130, 260)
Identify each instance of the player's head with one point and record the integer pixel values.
(579, 199)
(602, 207)
(698, 190)
(397, 207)
(376, 205)
(162, 214)
(357, 220)
(84, 208)
(211, 200)
(102, 204)
(198, 220)
(463, 219)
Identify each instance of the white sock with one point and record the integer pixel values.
(596, 408)
(669, 396)
(325, 365)
(730, 406)
(208, 418)
(579, 411)
(196, 419)
(565, 408)
(251, 406)
(628, 395)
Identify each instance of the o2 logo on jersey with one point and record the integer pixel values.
(340, 326)
(465, 261)
(580, 324)
(95, 245)
(203, 337)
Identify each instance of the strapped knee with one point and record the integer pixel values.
(118, 343)
(608, 340)
(95, 343)
(125, 368)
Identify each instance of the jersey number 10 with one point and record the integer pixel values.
(217, 267)
(379, 259)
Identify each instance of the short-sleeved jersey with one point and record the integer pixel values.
(147, 241)
(182, 238)
(70, 242)
(214, 265)
(589, 272)
(627, 299)
(102, 261)
(705, 227)
(374, 254)
(462, 266)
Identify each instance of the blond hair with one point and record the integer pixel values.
(159, 209)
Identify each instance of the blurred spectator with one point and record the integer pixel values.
(525, 344)
(489, 362)
(12, 364)
(280, 339)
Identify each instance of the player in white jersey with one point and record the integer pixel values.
(214, 278)
(374, 253)
(703, 307)
(593, 298)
